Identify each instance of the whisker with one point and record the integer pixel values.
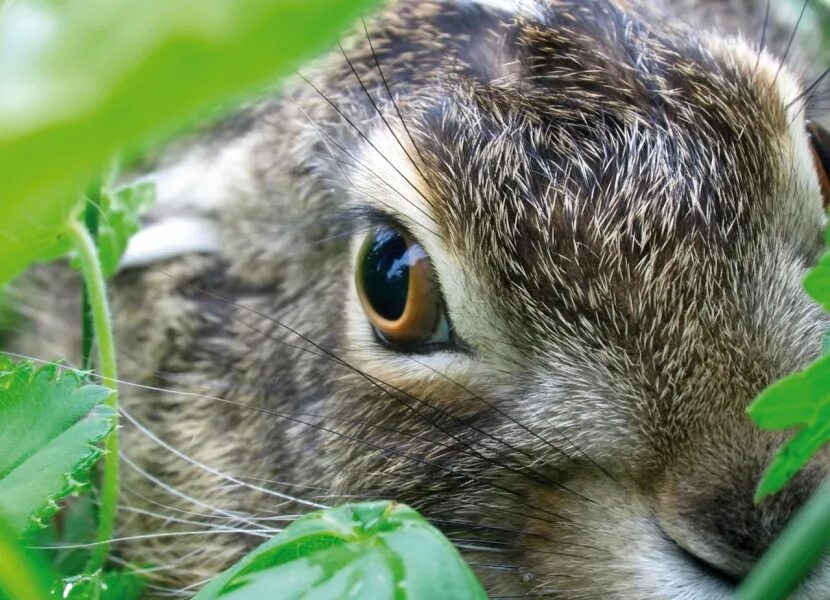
(377, 109)
(210, 469)
(147, 571)
(327, 141)
(539, 479)
(469, 452)
(171, 519)
(392, 188)
(392, 99)
(168, 488)
(381, 154)
(524, 428)
(230, 517)
(807, 95)
(790, 43)
(495, 567)
(763, 43)
(443, 468)
(362, 374)
(146, 536)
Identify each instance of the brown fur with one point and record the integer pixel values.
(620, 209)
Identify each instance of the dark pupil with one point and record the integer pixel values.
(386, 274)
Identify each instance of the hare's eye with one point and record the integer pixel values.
(397, 287)
(820, 143)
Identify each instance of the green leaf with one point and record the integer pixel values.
(67, 535)
(122, 585)
(27, 238)
(800, 400)
(118, 222)
(368, 550)
(817, 282)
(50, 423)
(22, 573)
(82, 80)
(111, 585)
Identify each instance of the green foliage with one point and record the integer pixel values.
(118, 222)
(113, 585)
(86, 79)
(369, 550)
(23, 575)
(801, 400)
(64, 541)
(25, 239)
(796, 551)
(50, 423)
(117, 215)
(82, 80)
(65, 544)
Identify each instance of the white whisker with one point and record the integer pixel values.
(146, 536)
(210, 469)
(229, 514)
(171, 519)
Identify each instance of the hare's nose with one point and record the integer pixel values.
(722, 529)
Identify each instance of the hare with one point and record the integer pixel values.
(521, 264)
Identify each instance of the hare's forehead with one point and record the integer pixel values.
(523, 196)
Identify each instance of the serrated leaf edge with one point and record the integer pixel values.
(75, 480)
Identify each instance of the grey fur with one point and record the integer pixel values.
(620, 211)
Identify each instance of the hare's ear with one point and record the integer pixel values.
(191, 193)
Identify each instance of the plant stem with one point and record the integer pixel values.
(91, 210)
(96, 288)
(796, 551)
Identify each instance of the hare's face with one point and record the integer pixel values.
(616, 232)
(581, 238)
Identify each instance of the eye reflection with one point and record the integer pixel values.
(397, 288)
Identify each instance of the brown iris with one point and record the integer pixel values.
(397, 287)
(820, 144)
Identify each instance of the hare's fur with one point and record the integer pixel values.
(619, 202)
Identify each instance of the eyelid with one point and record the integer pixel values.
(375, 218)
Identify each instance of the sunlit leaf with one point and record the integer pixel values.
(369, 550)
(83, 79)
(22, 573)
(800, 401)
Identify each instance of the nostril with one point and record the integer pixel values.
(708, 567)
(720, 528)
(707, 554)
